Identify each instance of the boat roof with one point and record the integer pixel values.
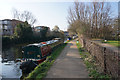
(41, 44)
(37, 44)
(57, 38)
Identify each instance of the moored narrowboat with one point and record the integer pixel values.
(36, 51)
(34, 54)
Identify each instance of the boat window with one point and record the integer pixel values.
(38, 55)
(31, 52)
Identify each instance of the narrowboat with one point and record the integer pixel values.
(34, 54)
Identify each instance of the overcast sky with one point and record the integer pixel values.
(48, 13)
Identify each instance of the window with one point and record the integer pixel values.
(5, 27)
(0, 26)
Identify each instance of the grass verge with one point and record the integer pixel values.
(112, 42)
(41, 70)
(91, 64)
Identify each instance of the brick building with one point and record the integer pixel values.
(8, 26)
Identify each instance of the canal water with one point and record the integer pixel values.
(10, 62)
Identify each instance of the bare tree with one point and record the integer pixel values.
(24, 16)
(91, 19)
(77, 18)
(16, 14)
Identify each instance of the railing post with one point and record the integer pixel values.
(104, 53)
(118, 65)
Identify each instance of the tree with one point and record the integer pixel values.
(56, 28)
(56, 32)
(89, 20)
(43, 32)
(24, 16)
(100, 18)
(77, 19)
(116, 28)
(23, 31)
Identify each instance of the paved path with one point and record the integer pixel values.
(68, 64)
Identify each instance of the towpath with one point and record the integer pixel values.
(68, 64)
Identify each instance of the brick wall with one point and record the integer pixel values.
(105, 57)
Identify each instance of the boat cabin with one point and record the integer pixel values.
(36, 51)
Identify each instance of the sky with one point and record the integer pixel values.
(47, 12)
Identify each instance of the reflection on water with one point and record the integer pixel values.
(0, 67)
(8, 63)
(11, 54)
(11, 70)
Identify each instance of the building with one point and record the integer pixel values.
(8, 26)
(39, 28)
(66, 33)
